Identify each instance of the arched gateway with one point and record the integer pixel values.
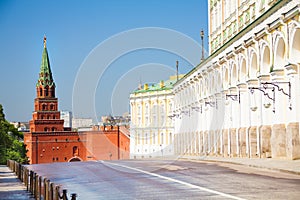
(75, 159)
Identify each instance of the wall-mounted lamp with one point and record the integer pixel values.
(210, 103)
(264, 91)
(186, 112)
(173, 115)
(233, 97)
(197, 108)
(272, 86)
(280, 89)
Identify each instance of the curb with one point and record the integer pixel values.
(238, 163)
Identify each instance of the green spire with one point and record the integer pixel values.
(45, 75)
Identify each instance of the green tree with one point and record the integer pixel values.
(11, 142)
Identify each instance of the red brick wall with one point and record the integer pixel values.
(47, 147)
(54, 147)
(103, 144)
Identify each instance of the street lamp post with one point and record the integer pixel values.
(202, 38)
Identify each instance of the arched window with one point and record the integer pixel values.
(226, 78)
(243, 72)
(146, 138)
(51, 107)
(44, 107)
(266, 60)
(41, 92)
(53, 129)
(279, 60)
(46, 129)
(233, 75)
(46, 91)
(295, 51)
(253, 66)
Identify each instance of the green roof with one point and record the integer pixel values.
(167, 85)
(45, 75)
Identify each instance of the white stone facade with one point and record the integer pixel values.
(67, 117)
(244, 99)
(152, 128)
(82, 122)
(228, 17)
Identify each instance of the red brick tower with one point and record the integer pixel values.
(48, 141)
(46, 116)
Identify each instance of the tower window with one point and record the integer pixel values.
(51, 107)
(46, 92)
(41, 92)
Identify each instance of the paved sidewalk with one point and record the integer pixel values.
(11, 187)
(289, 166)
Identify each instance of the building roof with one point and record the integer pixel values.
(45, 75)
(162, 85)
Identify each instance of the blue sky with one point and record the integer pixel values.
(73, 30)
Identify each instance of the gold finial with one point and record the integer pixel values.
(45, 40)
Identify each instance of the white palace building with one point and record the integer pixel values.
(151, 130)
(243, 100)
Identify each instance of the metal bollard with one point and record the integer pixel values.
(31, 182)
(39, 188)
(64, 195)
(26, 178)
(51, 191)
(73, 196)
(20, 172)
(47, 190)
(57, 192)
(36, 185)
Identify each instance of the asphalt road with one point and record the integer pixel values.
(161, 179)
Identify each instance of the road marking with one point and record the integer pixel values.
(178, 181)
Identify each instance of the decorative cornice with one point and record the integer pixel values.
(222, 60)
(229, 55)
(248, 42)
(260, 34)
(275, 24)
(238, 49)
(291, 13)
